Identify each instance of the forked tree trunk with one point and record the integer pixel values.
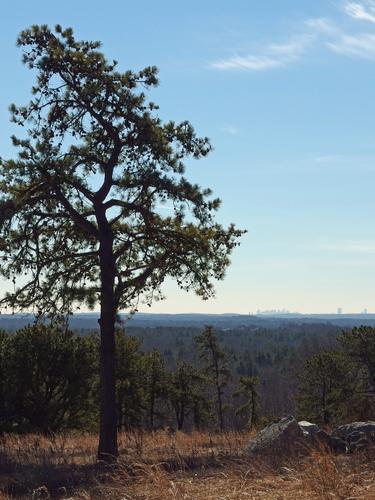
(108, 449)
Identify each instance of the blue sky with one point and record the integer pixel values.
(286, 93)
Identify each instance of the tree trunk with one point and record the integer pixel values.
(196, 416)
(220, 408)
(324, 408)
(108, 450)
(219, 392)
(152, 406)
(180, 416)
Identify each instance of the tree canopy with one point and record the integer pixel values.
(99, 164)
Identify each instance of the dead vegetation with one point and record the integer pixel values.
(166, 465)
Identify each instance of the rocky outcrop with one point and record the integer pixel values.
(357, 435)
(287, 436)
(344, 431)
(319, 438)
(282, 437)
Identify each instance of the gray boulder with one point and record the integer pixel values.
(309, 430)
(321, 439)
(282, 437)
(358, 441)
(357, 435)
(344, 431)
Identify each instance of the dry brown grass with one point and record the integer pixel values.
(162, 465)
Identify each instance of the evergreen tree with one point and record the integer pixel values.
(359, 345)
(215, 367)
(80, 215)
(325, 388)
(201, 410)
(156, 386)
(186, 392)
(49, 376)
(3, 379)
(130, 390)
(247, 389)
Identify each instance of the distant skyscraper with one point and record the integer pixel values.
(339, 310)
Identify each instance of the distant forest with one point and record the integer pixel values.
(188, 377)
(274, 355)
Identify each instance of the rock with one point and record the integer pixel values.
(357, 435)
(337, 444)
(344, 431)
(309, 430)
(319, 438)
(357, 441)
(288, 436)
(282, 437)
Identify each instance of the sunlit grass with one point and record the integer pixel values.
(163, 465)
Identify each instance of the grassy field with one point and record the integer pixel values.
(163, 465)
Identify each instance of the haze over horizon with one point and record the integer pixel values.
(285, 92)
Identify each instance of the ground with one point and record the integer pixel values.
(165, 465)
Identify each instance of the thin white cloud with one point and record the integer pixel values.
(272, 56)
(254, 63)
(329, 158)
(291, 49)
(229, 129)
(361, 11)
(321, 32)
(361, 45)
(322, 25)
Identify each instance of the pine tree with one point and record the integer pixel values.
(80, 217)
(359, 346)
(49, 377)
(247, 389)
(186, 391)
(130, 386)
(156, 385)
(215, 366)
(325, 388)
(4, 338)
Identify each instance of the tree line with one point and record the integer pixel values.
(49, 383)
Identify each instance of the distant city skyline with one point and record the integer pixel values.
(285, 91)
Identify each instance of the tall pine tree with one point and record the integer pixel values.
(80, 207)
